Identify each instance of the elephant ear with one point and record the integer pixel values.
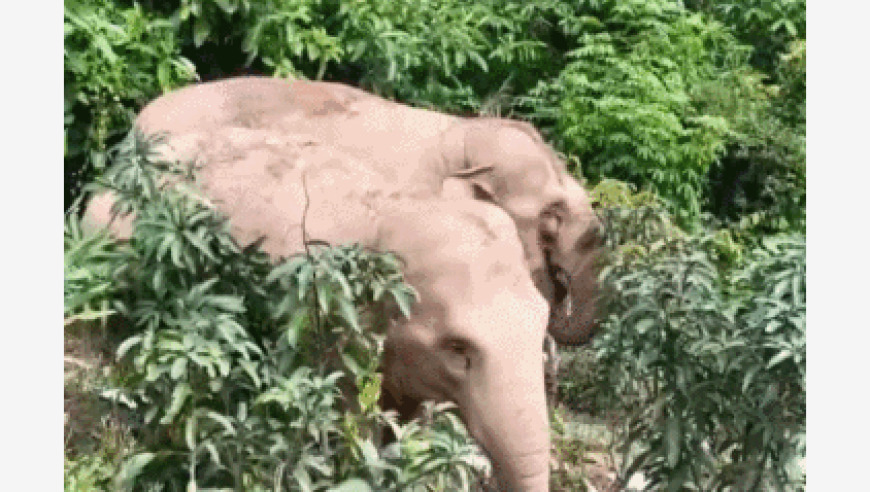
(466, 177)
(475, 182)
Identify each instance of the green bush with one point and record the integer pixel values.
(647, 92)
(626, 105)
(239, 371)
(768, 25)
(706, 366)
(452, 54)
(86, 474)
(760, 182)
(115, 59)
(701, 108)
(90, 263)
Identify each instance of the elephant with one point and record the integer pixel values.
(474, 337)
(417, 152)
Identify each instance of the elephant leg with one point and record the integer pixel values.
(551, 368)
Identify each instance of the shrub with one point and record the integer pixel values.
(91, 261)
(456, 55)
(707, 366)
(86, 473)
(115, 59)
(768, 25)
(759, 184)
(625, 102)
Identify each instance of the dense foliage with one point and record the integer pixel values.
(115, 59)
(708, 364)
(686, 119)
(645, 91)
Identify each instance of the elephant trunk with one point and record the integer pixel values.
(508, 417)
(574, 312)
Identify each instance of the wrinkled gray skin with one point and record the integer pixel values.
(474, 337)
(417, 152)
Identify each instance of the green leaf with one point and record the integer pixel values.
(180, 395)
(251, 370)
(150, 414)
(224, 421)
(200, 245)
(673, 440)
(118, 396)
(353, 485)
(127, 344)
(190, 432)
(179, 369)
(231, 304)
(404, 299)
(201, 30)
(228, 6)
(351, 364)
(348, 312)
(475, 56)
(131, 469)
(296, 328)
(778, 358)
(303, 479)
(749, 376)
(213, 455)
(644, 325)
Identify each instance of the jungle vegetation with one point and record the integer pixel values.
(686, 120)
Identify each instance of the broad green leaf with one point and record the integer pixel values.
(127, 344)
(201, 31)
(179, 369)
(673, 440)
(351, 364)
(404, 299)
(353, 485)
(303, 479)
(644, 325)
(200, 245)
(190, 432)
(778, 358)
(349, 314)
(251, 370)
(228, 6)
(180, 395)
(131, 469)
(222, 420)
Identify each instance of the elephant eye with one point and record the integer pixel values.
(460, 353)
(555, 211)
(551, 221)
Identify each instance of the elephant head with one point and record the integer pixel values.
(475, 335)
(507, 163)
